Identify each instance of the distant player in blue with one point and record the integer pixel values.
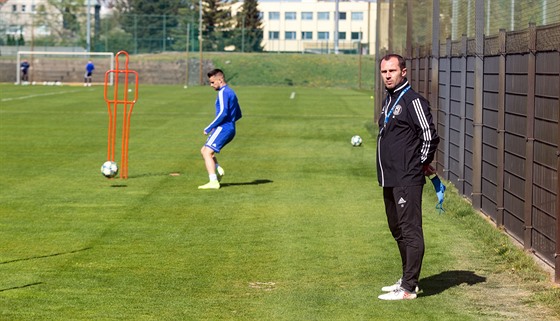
(24, 70)
(221, 130)
(89, 71)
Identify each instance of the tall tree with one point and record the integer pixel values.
(150, 22)
(187, 29)
(249, 32)
(216, 24)
(65, 25)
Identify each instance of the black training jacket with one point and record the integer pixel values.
(407, 141)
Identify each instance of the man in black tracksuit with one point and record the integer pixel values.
(406, 146)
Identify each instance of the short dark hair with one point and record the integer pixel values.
(402, 62)
(215, 72)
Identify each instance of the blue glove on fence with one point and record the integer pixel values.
(440, 191)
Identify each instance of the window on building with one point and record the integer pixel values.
(14, 7)
(274, 15)
(23, 7)
(14, 30)
(273, 35)
(290, 35)
(357, 16)
(342, 36)
(342, 16)
(323, 35)
(357, 35)
(42, 31)
(307, 15)
(322, 15)
(306, 35)
(290, 15)
(33, 8)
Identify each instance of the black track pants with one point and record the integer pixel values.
(403, 206)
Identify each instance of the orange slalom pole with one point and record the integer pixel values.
(113, 103)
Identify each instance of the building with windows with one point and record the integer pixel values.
(314, 26)
(15, 16)
(19, 6)
(317, 26)
(28, 18)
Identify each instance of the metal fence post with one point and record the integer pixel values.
(426, 77)
(462, 177)
(557, 252)
(433, 73)
(447, 98)
(409, 26)
(501, 130)
(478, 112)
(164, 34)
(530, 139)
(415, 65)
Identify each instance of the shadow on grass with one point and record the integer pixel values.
(119, 182)
(436, 284)
(46, 256)
(154, 174)
(255, 182)
(21, 286)
(34, 258)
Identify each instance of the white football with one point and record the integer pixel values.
(356, 140)
(109, 169)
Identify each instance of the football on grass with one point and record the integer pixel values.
(109, 169)
(356, 141)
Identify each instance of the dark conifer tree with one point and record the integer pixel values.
(249, 33)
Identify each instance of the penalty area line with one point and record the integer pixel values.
(38, 95)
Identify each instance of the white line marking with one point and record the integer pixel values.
(38, 95)
(293, 95)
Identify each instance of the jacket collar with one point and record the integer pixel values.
(399, 87)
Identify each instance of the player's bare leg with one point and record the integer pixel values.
(210, 163)
(219, 169)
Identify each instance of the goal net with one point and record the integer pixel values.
(57, 68)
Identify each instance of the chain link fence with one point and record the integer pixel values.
(158, 33)
(457, 18)
(137, 34)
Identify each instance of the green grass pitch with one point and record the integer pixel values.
(297, 232)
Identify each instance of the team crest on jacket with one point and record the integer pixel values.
(398, 110)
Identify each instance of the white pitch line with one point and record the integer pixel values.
(38, 95)
(293, 95)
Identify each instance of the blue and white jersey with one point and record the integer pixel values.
(24, 66)
(228, 110)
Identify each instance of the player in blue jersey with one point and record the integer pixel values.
(24, 71)
(89, 71)
(221, 130)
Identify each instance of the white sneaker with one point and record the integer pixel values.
(220, 171)
(396, 286)
(398, 294)
(210, 185)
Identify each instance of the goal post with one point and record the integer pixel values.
(63, 67)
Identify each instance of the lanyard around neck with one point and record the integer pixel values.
(388, 115)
